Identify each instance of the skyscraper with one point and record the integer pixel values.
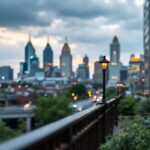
(29, 52)
(115, 64)
(115, 51)
(66, 61)
(98, 73)
(6, 73)
(86, 62)
(82, 72)
(34, 65)
(48, 60)
(147, 43)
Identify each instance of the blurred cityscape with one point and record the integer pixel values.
(42, 95)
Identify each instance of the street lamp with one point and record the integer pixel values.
(118, 88)
(143, 80)
(104, 65)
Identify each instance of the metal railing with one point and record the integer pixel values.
(85, 130)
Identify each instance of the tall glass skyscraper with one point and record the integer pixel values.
(29, 52)
(66, 61)
(48, 60)
(147, 43)
(115, 51)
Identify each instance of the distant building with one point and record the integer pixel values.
(86, 62)
(6, 73)
(48, 60)
(29, 52)
(23, 68)
(115, 64)
(82, 72)
(124, 74)
(147, 44)
(98, 74)
(66, 61)
(56, 72)
(115, 51)
(134, 73)
(34, 65)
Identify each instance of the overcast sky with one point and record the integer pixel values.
(89, 25)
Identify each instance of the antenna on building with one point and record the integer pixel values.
(48, 39)
(29, 37)
(66, 40)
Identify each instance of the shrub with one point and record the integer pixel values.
(134, 136)
(127, 106)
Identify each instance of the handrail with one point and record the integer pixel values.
(70, 126)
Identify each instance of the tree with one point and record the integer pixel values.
(110, 93)
(49, 109)
(80, 90)
(97, 86)
(7, 133)
(134, 136)
(144, 107)
(127, 106)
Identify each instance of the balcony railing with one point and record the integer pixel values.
(85, 130)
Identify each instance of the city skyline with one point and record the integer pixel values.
(94, 28)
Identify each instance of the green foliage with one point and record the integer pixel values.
(22, 125)
(127, 106)
(7, 133)
(134, 136)
(80, 90)
(49, 109)
(97, 86)
(110, 93)
(144, 107)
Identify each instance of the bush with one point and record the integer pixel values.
(110, 93)
(127, 106)
(49, 109)
(134, 136)
(7, 133)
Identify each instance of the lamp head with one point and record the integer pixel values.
(104, 63)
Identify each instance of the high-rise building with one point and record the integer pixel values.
(115, 51)
(34, 65)
(147, 44)
(82, 72)
(48, 60)
(66, 61)
(29, 52)
(124, 74)
(135, 73)
(6, 73)
(86, 62)
(98, 74)
(115, 65)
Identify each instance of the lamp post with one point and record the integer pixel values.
(143, 80)
(104, 65)
(118, 88)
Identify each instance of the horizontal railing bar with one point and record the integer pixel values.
(47, 131)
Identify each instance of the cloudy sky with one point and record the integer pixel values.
(89, 25)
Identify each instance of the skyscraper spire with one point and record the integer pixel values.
(66, 40)
(29, 37)
(48, 39)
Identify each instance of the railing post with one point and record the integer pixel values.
(104, 123)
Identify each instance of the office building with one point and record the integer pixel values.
(6, 73)
(82, 72)
(48, 60)
(115, 64)
(66, 61)
(86, 62)
(29, 52)
(147, 44)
